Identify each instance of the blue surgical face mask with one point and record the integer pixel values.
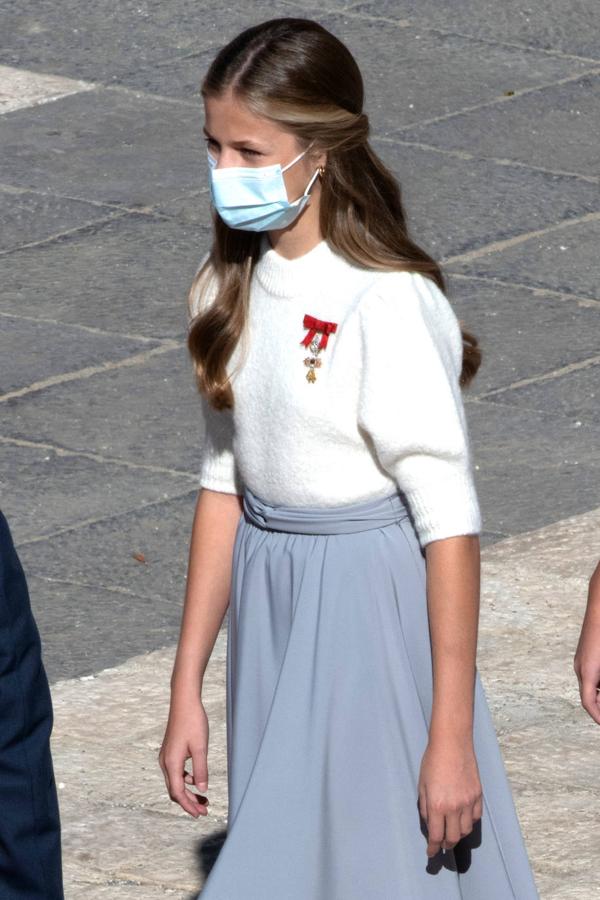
(255, 199)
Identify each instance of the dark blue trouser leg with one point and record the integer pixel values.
(30, 838)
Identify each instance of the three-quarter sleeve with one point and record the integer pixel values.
(411, 406)
(218, 467)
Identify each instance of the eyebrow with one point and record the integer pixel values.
(247, 143)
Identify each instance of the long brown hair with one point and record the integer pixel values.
(299, 75)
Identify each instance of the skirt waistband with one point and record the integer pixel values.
(360, 516)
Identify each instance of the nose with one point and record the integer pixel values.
(222, 161)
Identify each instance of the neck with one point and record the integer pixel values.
(302, 235)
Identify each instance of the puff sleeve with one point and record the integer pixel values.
(410, 402)
(218, 466)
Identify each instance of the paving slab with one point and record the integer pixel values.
(459, 204)
(101, 553)
(414, 74)
(562, 259)
(555, 128)
(571, 813)
(522, 332)
(177, 77)
(111, 42)
(44, 351)
(95, 601)
(87, 627)
(106, 145)
(44, 491)
(93, 517)
(19, 88)
(119, 413)
(574, 395)
(191, 208)
(130, 276)
(429, 89)
(114, 840)
(28, 217)
(118, 889)
(538, 23)
(575, 888)
(550, 762)
(532, 467)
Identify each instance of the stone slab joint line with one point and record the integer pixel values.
(495, 101)
(498, 161)
(502, 98)
(87, 227)
(497, 246)
(587, 302)
(101, 520)
(92, 585)
(546, 376)
(95, 457)
(439, 29)
(137, 359)
(89, 329)
(59, 236)
(104, 204)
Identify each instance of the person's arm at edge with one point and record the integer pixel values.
(206, 600)
(586, 661)
(412, 339)
(453, 590)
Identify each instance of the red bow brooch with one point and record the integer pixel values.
(310, 340)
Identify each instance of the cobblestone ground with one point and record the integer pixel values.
(488, 114)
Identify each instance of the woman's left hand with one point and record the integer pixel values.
(450, 793)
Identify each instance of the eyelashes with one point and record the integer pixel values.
(246, 151)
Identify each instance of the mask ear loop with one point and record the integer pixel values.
(300, 155)
(312, 181)
(318, 171)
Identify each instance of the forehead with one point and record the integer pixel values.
(228, 118)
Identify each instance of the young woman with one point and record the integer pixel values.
(338, 521)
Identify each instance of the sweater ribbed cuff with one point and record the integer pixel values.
(221, 474)
(444, 507)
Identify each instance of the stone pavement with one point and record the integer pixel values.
(488, 114)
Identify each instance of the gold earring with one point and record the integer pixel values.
(321, 170)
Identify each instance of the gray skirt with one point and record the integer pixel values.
(329, 693)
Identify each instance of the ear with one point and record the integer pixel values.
(318, 158)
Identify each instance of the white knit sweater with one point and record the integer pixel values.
(384, 412)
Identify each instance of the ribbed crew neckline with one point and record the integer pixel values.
(283, 277)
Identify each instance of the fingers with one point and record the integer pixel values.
(173, 768)
(452, 830)
(200, 766)
(444, 830)
(589, 696)
(435, 831)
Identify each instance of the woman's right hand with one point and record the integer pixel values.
(186, 736)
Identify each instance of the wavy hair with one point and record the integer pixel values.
(300, 76)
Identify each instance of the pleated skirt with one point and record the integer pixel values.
(329, 695)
